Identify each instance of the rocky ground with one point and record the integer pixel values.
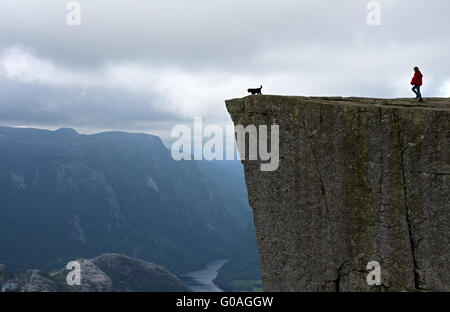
(107, 273)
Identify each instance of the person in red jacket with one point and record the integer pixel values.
(417, 83)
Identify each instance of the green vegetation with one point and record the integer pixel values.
(246, 285)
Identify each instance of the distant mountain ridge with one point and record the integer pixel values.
(64, 195)
(106, 273)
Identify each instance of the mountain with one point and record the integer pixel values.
(64, 196)
(5, 274)
(242, 271)
(228, 175)
(107, 273)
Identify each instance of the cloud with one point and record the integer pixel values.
(146, 65)
(19, 65)
(446, 89)
(171, 89)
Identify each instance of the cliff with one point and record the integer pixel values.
(359, 180)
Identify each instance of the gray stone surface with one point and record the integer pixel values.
(359, 180)
(106, 273)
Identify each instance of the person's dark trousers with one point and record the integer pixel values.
(416, 90)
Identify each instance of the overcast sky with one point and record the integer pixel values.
(145, 66)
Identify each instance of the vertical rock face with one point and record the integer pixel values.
(359, 180)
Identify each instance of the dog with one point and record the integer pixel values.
(255, 91)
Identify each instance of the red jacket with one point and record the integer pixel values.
(417, 79)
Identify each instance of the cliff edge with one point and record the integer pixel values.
(359, 180)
